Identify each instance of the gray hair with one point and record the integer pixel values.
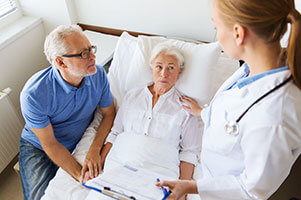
(55, 44)
(168, 50)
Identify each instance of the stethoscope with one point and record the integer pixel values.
(232, 127)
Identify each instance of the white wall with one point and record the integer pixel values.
(20, 59)
(52, 12)
(284, 40)
(188, 19)
(298, 5)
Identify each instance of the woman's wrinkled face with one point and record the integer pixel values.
(166, 71)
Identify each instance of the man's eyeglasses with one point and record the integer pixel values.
(84, 54)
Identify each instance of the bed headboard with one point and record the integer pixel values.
(110, 31)
(118, 32)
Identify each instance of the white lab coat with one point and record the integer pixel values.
(254, 163)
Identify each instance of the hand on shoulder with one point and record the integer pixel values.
(191, 106)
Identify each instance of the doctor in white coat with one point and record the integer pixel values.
(252, 133)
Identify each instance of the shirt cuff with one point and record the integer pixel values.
(188, 157)
(111, 138)
(38, 126)
(222, 187)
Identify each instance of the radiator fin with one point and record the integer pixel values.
(10, 131)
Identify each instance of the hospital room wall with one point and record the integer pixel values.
(20, 59)
(188, 19)
(22, 55)
(53, 13)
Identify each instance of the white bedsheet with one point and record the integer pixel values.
(147, 153)
(63, 186)
(135, 150)
(144, 152)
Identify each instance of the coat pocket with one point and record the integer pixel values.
(218, 140)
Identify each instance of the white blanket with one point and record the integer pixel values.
(144, 152)
(63, 186)
(148, 153)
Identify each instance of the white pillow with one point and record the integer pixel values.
(224, 68)
(126, 73)
(119, 68)
(196, 80)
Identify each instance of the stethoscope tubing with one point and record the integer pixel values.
(262, 97)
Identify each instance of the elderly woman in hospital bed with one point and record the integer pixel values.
(151, 129)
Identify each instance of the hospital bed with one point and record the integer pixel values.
(124, 55)
(205, 70)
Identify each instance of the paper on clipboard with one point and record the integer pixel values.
(129, 181)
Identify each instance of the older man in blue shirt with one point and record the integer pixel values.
(58, 104)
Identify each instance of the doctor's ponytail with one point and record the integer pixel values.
(294, 45)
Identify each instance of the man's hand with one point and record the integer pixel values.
(92, 165)
(93, 162)
(86, 177)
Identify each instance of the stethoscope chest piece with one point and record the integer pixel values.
(232, 128)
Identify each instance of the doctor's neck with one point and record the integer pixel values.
(261, 56)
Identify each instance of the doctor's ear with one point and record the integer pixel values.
(239, 33)
(60, 62)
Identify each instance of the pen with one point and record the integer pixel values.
(111, 193)
(165, 191)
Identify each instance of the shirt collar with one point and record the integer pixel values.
(245, 79)
(66, 87)
(165, 95)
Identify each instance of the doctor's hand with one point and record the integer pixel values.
(179, 188)
(92, 164)
(191, 106)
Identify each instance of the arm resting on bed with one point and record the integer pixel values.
(104, 152)
(93, 162)
(57, 152)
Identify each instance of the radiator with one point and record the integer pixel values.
(10, 130)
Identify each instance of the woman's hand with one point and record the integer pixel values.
(86, 177)
(179, 188)
(192, 106)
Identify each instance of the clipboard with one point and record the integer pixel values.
(128, 183)
(110, 193)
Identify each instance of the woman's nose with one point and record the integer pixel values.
(164, 72)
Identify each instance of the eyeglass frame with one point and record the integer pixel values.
(82, 53)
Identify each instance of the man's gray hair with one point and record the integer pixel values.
(167, 49)
(55, 44)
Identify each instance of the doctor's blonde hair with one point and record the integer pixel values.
(268, 19)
